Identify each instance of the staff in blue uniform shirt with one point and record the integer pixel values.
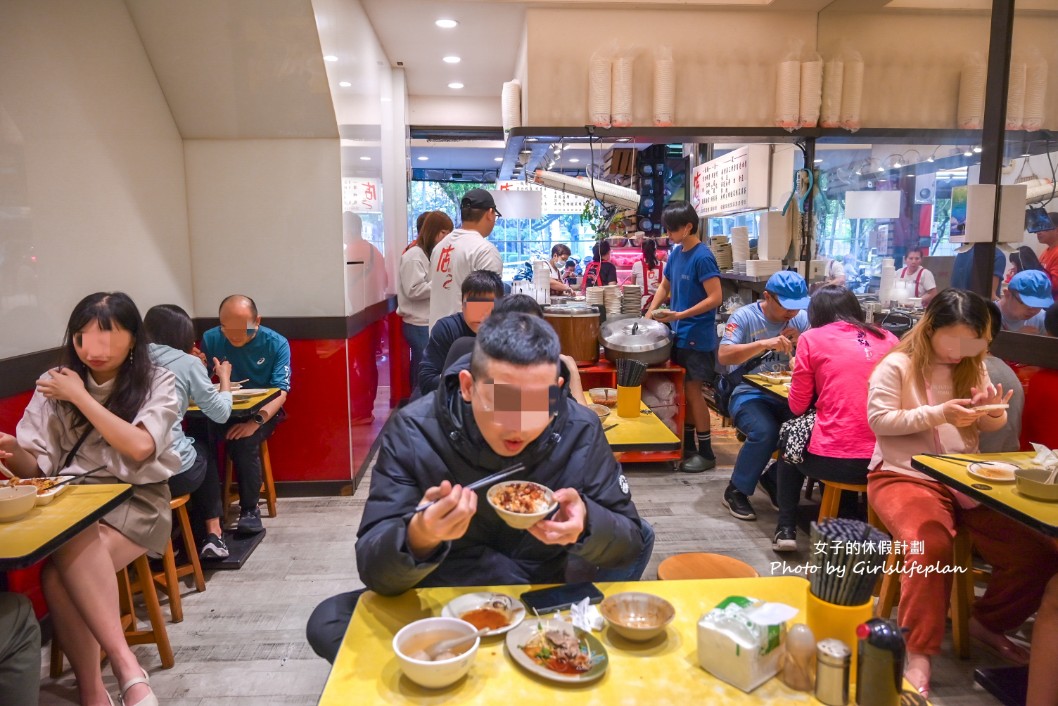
(692, 277)
(261, 356)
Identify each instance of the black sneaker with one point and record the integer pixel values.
(738, 504)
(213, 548)
(785, 539)
(696, 463)
(250, 521)
(767, 483)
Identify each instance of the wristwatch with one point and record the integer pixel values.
(259, 418)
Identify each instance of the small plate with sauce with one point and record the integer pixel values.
(496, 611)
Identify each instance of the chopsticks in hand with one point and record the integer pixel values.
(487, 480)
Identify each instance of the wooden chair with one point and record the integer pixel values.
(156, 634)
(700, 565)
(962, 588)
(169, 578)
(268, 486)
(828, 507)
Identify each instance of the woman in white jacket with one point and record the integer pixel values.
(413, 295)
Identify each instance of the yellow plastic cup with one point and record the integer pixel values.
(628, 399)
(827, 620)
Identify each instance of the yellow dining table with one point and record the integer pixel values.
(776, 388)
(1002, 497)
(242, 405)
(25, 542)
(643, 433)
(664, 670)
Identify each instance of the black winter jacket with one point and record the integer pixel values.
(435, 438)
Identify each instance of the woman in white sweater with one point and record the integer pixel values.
(413, 295)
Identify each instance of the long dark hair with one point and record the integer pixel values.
(169, 325)
(133, 383)
(836, 303)
(650, 250)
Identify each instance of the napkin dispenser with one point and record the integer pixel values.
(740, 641)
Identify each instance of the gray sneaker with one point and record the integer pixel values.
(213, 548)
(696, 463)
(250, 522)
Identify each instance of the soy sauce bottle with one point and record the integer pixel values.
(880, 673)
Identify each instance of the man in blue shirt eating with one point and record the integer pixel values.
(692, 278)
(262, 357)
(764, 332)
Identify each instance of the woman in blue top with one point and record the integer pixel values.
(172, 338)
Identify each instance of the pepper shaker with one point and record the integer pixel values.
(832, 672)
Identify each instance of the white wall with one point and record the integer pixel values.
(469, 111)
(265, 220)
(91, 170)
(725, 61)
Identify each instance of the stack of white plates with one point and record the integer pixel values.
(612, 299)
(886, 281)
(740, 243)
(631, 299)
(739, 267)
(724, 259)
(664, 91)
(763, 268)
(599, 89)
(595, 296)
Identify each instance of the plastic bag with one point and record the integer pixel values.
(664, 87)
(851, 90)
(830, 108)
(972, 92)
(788, 88)
(811, 90)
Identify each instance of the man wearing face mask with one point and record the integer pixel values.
(557, 264)
(501, 407)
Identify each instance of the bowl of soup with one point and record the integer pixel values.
(411, 642)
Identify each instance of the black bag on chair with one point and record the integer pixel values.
(727, 382)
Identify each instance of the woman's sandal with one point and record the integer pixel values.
(1006, 651)
(148, 700)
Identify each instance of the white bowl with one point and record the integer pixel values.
(16, 502)
(435, 675)
(521, 520)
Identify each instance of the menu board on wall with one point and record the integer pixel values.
(553, 201)
(361, 195)
(733, 183)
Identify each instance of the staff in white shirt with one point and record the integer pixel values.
(463, 251)
(919, 281)
(557, 264)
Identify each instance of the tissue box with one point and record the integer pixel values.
(739, 641)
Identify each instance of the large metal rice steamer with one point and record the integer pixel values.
(637, 338)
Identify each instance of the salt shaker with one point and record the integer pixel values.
(800, 654)
(832, 672)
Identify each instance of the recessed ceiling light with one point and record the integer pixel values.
(451, 60)
(365, 158)
(423, 158)
(344, 84)
(967, 153)
(455, 84)
(497, 159)
(446, 24)
(574, 160)
(818, 161)
(330, 57)
(978, 149)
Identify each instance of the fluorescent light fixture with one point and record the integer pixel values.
(445, 23)
(422, 158)
(451, 60)
(344, 84)
(330, 57)
(365, 158)
(497, 159)
(455, 84)
(606, 192)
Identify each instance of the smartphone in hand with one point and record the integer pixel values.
(549, 600)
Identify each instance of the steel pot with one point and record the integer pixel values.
(636, 338)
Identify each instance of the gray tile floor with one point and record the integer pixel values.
(242, 640)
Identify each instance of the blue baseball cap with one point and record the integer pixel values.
(789, 288)
(1033, 287)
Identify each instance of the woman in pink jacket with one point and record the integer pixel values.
(834, 361)
(922, 399)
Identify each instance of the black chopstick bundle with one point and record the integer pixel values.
(630, 372)
(847, 559)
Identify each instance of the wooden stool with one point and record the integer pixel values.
(699, 565)
(268, 486)
(828, 507)
(156, 635)
(169, 578)
(962, 588)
